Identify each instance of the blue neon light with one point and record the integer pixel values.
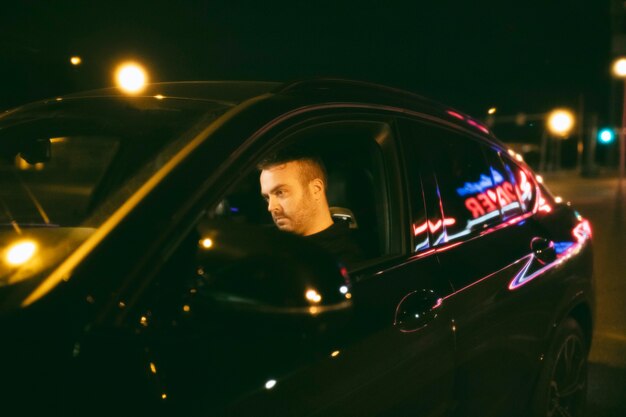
(561, 247)
(481, 185)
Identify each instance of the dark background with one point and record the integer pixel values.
(520, 56)
(525, 56)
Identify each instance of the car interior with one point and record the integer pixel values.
(356, 189)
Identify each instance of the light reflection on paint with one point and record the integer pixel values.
(469, 121)
(455, 114)
(564, 250)
(478, 126)
(21, 252)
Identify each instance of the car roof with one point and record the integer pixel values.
(232, 93)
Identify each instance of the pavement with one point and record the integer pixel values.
(597, 199)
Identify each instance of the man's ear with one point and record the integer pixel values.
(317, 187)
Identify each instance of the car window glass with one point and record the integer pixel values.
(524, 183)
(466, 185)
(69, 174)
(420, 184)
(505, 184)
(356, 182)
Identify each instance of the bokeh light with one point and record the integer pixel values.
(131, 77)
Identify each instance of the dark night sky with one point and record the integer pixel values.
(518, 55)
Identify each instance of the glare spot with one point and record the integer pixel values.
(143, 320)
(206, 243)
(131, 77)
(186, 308)
(270, 384)
(343, 289)
(558, 200)
(164, 396)
(153, 368)
(511, 152)
(539, 179)
(519, 157)
(619, 67)
(313, 296)
(335, 354)
(159, 97)
(76, 60)
(121, 304)
(59, 99)
(21, 252)
(313, 310)
(348, 296)
(492, 110)
(560, 121)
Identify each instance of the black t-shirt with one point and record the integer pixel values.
(339, 240)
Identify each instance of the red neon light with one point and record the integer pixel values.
(455, 114)
(433, 227)
(478, 125)
(489, 200)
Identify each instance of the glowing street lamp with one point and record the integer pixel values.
(492, 110)
(619, 70)
(560, 122)
(76, 60)
(131, 77)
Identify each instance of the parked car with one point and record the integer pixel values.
(141, 273)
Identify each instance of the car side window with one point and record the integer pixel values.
(466, 185)
(505, 185)
(358, 161)
(523, 182)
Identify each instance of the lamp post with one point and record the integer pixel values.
(560, 123)
(619, 70)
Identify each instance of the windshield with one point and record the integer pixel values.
(64, 164)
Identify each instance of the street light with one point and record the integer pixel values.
(619, 70)
(131, 77)
(560, 122)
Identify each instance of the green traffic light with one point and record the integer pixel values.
(606, 136)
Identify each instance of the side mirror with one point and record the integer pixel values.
(543, 249)
(261, 271)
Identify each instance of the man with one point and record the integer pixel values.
(295, 191)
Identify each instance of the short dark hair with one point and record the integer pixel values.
(312, 166)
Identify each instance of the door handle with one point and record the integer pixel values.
(416, 310)
(543, 249)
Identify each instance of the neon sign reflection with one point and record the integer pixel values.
(564, 250)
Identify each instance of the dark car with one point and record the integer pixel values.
(141, 273)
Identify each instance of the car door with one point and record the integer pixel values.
(394, 356)
(485, 244)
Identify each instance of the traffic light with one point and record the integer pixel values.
(606, 136)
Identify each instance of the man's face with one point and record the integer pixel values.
(288, 200)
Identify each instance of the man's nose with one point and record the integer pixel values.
(272, 205)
